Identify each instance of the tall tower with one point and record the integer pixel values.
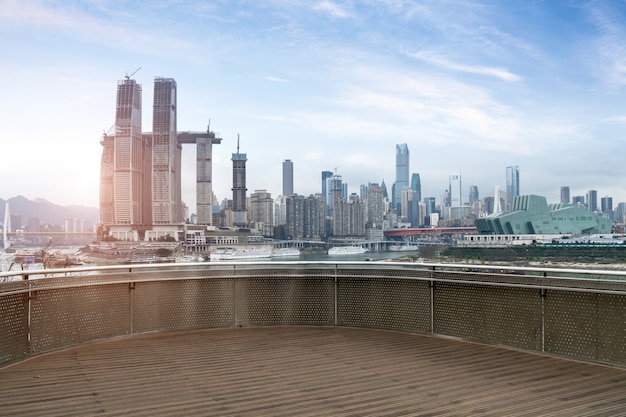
(416, 186)
(325, 176)
(512, 185)
(166, 155)
(565, 194)
(592, 200)
(287, 177)
(239, 188)
(402, 175)
(124, 174)
(334, 188)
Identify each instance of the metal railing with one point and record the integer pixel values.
(569, 312)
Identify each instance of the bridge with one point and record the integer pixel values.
(406, 232)
(318, 338)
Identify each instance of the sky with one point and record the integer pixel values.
(471, 86)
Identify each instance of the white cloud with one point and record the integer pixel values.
(333, 9)
(500, 73)
(277, 79)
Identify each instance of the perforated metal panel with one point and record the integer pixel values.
(497, 315)
(67, 316)
(571, 324)
(273, 301)
(168, 305)
(612, 328)
(384, 303)
(13, 327)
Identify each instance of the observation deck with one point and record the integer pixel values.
(325, 338)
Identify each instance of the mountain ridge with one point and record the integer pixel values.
(47, 212)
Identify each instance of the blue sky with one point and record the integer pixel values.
(470, 86)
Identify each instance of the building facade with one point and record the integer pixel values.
(565, 194)
(239, 188)
(262, 211)
(402, 176)
(166, 155)
(512, 184)
(531, 214)
(287, 177)
(125, 170)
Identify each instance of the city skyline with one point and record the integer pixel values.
(331, 85)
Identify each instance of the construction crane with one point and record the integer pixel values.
(135, 72)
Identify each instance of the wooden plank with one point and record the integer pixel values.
(285, 371)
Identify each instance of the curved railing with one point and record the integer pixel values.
(574, 313)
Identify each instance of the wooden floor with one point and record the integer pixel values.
(305, 371)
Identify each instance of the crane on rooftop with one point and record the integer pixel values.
(134, 72)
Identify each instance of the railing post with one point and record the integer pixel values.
(235, 318)
(542, 294)
(432, 300)
(131, 291)
(336, 297)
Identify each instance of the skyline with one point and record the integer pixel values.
(471, 87)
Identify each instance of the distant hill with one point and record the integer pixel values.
(48, 212)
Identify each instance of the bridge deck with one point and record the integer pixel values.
(305, 371)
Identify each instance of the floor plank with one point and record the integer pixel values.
(305, 371)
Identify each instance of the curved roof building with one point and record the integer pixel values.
(531, 214)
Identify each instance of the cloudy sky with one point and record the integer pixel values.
(472, 86)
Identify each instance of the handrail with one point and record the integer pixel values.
(542, 309)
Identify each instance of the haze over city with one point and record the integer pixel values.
(470, 86)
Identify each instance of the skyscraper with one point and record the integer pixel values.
(334, 189)
(592, 200)
(239, 188)
(473, 194)
(166, 155)
(375, 207)
(606, 204)
(512, 184)
(402, 175)
(416, 186)
(125, 165)
(287, 177)
(565, 194)
(455, 196)
(262, 211)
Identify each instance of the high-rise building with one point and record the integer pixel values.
(620, 213)
(287, 177)
(416, 186)
(383, 189)
(473, 194)
(455, 197)
(239, 188)
(592, 201)
(335, 191)
(375, 207)
(606, 204)
(512, 185)
(262, 211)
(325, 176)
(314, 217)
(280, 210)
(125, 170)
(402, 176)
(565, 194)
(166, 155)
(431, 205)
(295, 216)
(456, 194)
(579, 200)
